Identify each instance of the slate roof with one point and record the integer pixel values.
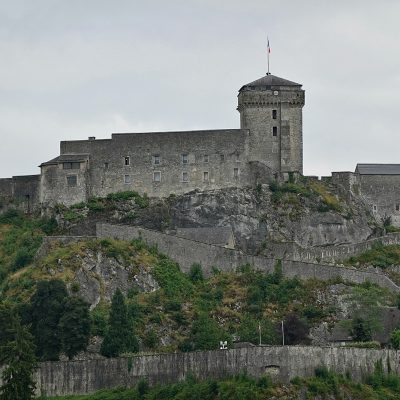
(66, 158)
(218, 236)
(378, 169)
(269, 82)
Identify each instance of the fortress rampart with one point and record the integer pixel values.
(282, 363)
(186, 252)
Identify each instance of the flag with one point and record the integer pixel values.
(269, 48)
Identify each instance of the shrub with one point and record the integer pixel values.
(395, 339)
(196, 273)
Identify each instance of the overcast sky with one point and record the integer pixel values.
(70, 69)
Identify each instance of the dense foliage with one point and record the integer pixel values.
(17, 354)
(20, 237)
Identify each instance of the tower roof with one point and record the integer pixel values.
(268, 82)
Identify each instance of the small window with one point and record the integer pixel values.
(397, 207)
(156, 176)
(274, 131)
(185, 159)
(72, 180)
(156, 159)
(127, 179)
(71, 165)
(236, 173)
(185, 177)
(222, 157)
(205, 158)
(375, 207)
(274, 114)
(127, 160)
(106, 165)
(205, 176)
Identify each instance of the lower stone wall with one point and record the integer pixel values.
(281, 362)
(186, 252)
(332, 253)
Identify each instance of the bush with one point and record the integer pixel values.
(196, 273)
(395, 339)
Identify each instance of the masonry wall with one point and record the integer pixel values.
(218, 153)
(22, 191)
(283, 152)
(186, 252)
(282, 363)
(383, 192)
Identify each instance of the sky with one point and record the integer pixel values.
(79, 68)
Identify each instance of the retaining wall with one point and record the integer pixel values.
(281, 362)
(186, 252)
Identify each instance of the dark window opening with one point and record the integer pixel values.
(274, 131)
(397, 207)
(106, 165)
(185, 159)
(222, 157)
(72, 180)
(127, 160)
(71, 165)
(274, 114)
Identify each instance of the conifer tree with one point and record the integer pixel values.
(119, 337)
(17, 353)
(47, 306)
(74, 326)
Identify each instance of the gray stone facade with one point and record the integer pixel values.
(268, 145)
(281, 363)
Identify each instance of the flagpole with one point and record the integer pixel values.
(268, 51)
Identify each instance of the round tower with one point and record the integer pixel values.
(271, 108)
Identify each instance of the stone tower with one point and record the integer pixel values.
(271, 108)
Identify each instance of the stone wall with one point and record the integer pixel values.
(186, 252)
(212, 159)
(282, 363)
(22, 191)
(332, 254)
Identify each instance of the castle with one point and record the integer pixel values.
(268, 145)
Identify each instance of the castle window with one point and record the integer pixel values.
(127, 179)
(274, 131)
(127, 161)
(205, 176)
(274, 114)
(185, 159)
(156, 176)
(205, 159)
(185, 177)
(106, 165)
(375, 207)
(71, 165)
(72, 180)
(397, 207)
(236, 173)
(222, 157)
(156, 159)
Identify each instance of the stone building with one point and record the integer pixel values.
(268, 145)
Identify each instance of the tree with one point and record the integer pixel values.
(119, 337)
(196, 273)
(366, 301)
(395, 339)
(47, 307)
(18, 354)
(249, 331)
(361, 330)
(74, 326)
(295, 330)
(206, 333)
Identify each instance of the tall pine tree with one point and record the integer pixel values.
(74, 326)
(47, 307)
(18, 354)
(119, 337)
